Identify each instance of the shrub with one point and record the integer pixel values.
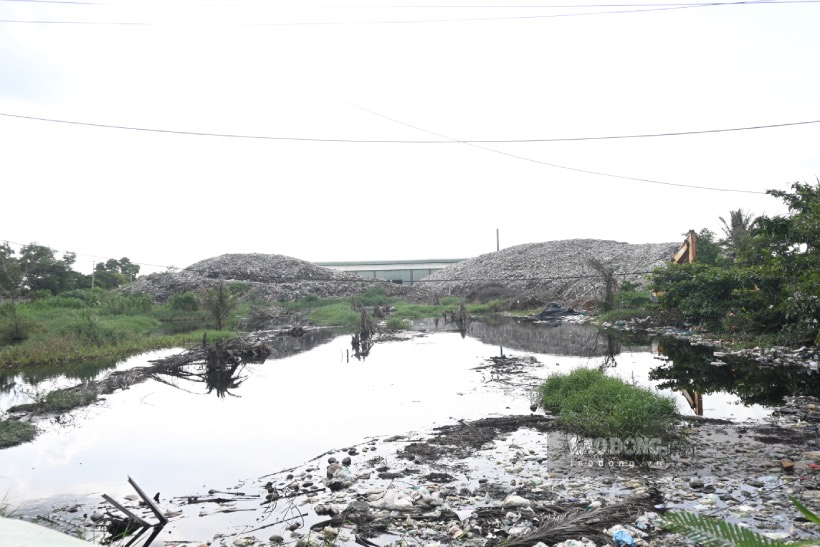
(115, 304)
(184, 301)
(13, 331)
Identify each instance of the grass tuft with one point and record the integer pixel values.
(594, 404)
(397, 323)
(13, 433)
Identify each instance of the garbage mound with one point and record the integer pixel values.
(563, 271)
(270, 277)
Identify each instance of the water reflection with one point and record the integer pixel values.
(613, 348)
(569, 339)
(687, 368)
(222, 378)
(684, 368)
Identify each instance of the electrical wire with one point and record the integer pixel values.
(407, 21)
(469, 143)
(406, 141)
(402, 6)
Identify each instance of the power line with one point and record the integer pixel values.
(407, 21)
(451, 140)
(405, 141)
(405, 6)
(524, 158)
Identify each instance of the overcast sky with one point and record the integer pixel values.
(380, 70)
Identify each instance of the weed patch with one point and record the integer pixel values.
(13, 433)
(594, 404)
(62, 400)
(397, 323)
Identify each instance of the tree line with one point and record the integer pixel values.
(36, 271)
(762, 277)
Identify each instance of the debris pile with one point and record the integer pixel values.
(270, 277)
(558, 270)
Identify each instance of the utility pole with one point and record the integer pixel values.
(92, 275)
(497, 244)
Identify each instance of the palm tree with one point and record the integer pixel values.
(736, 231)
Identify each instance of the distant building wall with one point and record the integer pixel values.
(403, 272)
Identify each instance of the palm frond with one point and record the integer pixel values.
(715, 533)
(803, 509)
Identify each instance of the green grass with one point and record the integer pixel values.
(397, 323)
(96, 325)
(594, 404)
(62, 400)
(13, 433)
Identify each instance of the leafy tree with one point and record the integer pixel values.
(708, 249)
(42, 271)
(115, 273)
(774, 285)
(129, 268)
(12, 286)
(791, 243)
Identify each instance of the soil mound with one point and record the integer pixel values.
(552, 270)
(271, 277)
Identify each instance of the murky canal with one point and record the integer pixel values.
(181, 436)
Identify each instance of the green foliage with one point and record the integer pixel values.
(13, 432)
(751, 384)
(592, 403)
(121, 304)
(493, 306)
(737, 232)
(14, 331)
(122, 266)
(715, 533)
(723, 298)
(773, 285)
(336, 313)
(712, 532)
(812, 517)
(397, 323)
(184, 301)
(89, 328)
(374, 296)
(709, 252)
(43, 271)
(62, 400)
(631, 299)
(109, 280)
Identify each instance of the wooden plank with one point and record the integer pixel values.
(128, 513)
(162, 518)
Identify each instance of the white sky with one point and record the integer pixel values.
(339, 71)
